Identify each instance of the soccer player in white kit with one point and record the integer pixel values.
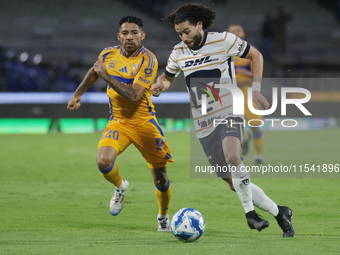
(207, 59)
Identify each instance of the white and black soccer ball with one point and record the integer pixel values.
(187, 224)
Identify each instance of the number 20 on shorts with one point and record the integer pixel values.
(114, 134)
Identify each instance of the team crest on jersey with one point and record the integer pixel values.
(148, 72)
(112, 64)
(160, 143)
(135, 70)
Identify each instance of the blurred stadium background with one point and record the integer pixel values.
(46, 47)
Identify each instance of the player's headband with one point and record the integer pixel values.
(184, 15)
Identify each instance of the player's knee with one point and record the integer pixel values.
(104, 162)
(160, 182)
(233, 159)
(256, 130)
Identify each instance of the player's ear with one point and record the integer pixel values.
(143, 35)
(118, 36)
(199, 25)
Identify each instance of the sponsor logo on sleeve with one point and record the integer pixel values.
(240, 44)
(144, 80)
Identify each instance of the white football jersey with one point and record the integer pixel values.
(212, 63)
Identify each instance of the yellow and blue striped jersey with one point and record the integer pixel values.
(242, 63)
(243, 80)
(140, 68)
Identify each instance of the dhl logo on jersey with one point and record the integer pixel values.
(198, 61)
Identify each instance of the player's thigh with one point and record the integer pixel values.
(231, 148)
(231, 141)
(222, 143)
(212, 146)
(150, 141)
(112, 142)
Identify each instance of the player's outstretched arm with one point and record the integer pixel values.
(132, 94)
(257, 68)
(90, 78)
(163, 82)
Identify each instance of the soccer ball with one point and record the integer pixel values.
(187, 224)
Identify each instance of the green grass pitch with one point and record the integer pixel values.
(53, 200)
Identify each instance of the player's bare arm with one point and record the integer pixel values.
(132, 94)
(257, 68)
(162, 84)
(90, 78)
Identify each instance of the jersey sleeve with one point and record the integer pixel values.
(101, 54)
(148, 71)
(105, 52)
(235, 46)
(172, 68)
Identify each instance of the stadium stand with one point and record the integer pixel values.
(70, 34)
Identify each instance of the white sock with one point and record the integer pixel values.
(241, 183)
(262, 201)
(256, 156)
(122, 186)
(160, 216)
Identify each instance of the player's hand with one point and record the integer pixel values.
(156, 89)
(260, 101)
(74, 103)
(100, 68)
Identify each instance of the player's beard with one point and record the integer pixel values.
(197, 40)
(131, 48)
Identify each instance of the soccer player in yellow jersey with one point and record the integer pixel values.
(130, 69)
(244, 80)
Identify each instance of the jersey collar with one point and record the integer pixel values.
(138, 51)
(134, 54)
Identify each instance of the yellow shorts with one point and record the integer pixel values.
(248, 115)
(148, 139)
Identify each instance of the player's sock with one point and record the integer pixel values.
(123, 186)
(262, 201)
(241, 182)
(163, 196)
(258, 141)
(112, 175)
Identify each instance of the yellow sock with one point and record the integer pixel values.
(258, 141)
(163, 196)
(112, 175)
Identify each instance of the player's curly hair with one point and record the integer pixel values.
(131, 19)
(192, 12)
